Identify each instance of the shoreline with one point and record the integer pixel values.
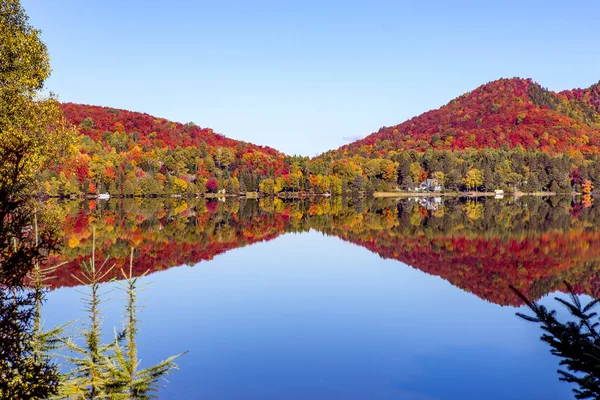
(300, 196)
(467, 194)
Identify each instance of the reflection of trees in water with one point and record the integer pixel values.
(481, 246)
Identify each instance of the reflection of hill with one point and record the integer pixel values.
(486, 267)
(164, 235)
(480, 247)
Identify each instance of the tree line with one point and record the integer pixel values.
(120, 166)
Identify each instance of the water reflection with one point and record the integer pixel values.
(480, 246)
(312, 316)
(27, 235)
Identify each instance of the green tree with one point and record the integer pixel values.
(32, 130)
(89, 377)
(267, 186)
(358, 183)
(110, 370)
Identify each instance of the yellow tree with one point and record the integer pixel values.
(279, 185)
(473, 179)
(32, 134)
(416, 172)
(267, 186)
(32, 130)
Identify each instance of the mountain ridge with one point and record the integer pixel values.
(492, 97)
(508, 134)
(512, 112)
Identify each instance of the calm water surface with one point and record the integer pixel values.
(307, 308)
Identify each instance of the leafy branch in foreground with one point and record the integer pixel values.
(577, 342)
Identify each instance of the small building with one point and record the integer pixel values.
(430, 185)
(221, 191)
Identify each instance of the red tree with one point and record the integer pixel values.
(212, 185)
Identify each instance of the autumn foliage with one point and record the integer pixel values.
(510, 134)
(129, 153)
(507, 112)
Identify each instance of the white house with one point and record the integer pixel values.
(430, 185)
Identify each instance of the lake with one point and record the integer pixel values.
(337, 298)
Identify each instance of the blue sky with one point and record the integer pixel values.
(307, 76)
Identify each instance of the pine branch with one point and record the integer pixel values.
(577, 343)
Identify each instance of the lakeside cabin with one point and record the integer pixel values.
(430, 185)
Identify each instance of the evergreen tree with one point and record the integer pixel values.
(577, 342)
(125, 378)
(89, 378)
(110, 370)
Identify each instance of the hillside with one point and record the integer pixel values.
(146, 130)
(509, 134)
(507, 112)
(132, 153)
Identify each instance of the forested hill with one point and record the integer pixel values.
(133, 153)
(509, 134)
(505, 113)
(148, 131)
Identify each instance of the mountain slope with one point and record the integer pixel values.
(134, 154)
(149, 130)
(129, 153)
(507, 112)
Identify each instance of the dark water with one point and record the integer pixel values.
(340, 299)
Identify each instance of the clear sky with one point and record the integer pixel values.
(307, 76)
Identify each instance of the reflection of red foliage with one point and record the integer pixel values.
(536, 262)
(156, 249)
(487, 267)
(576, 210)
(212, 206)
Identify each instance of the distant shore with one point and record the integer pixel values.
(466, 194)
(300, 195)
